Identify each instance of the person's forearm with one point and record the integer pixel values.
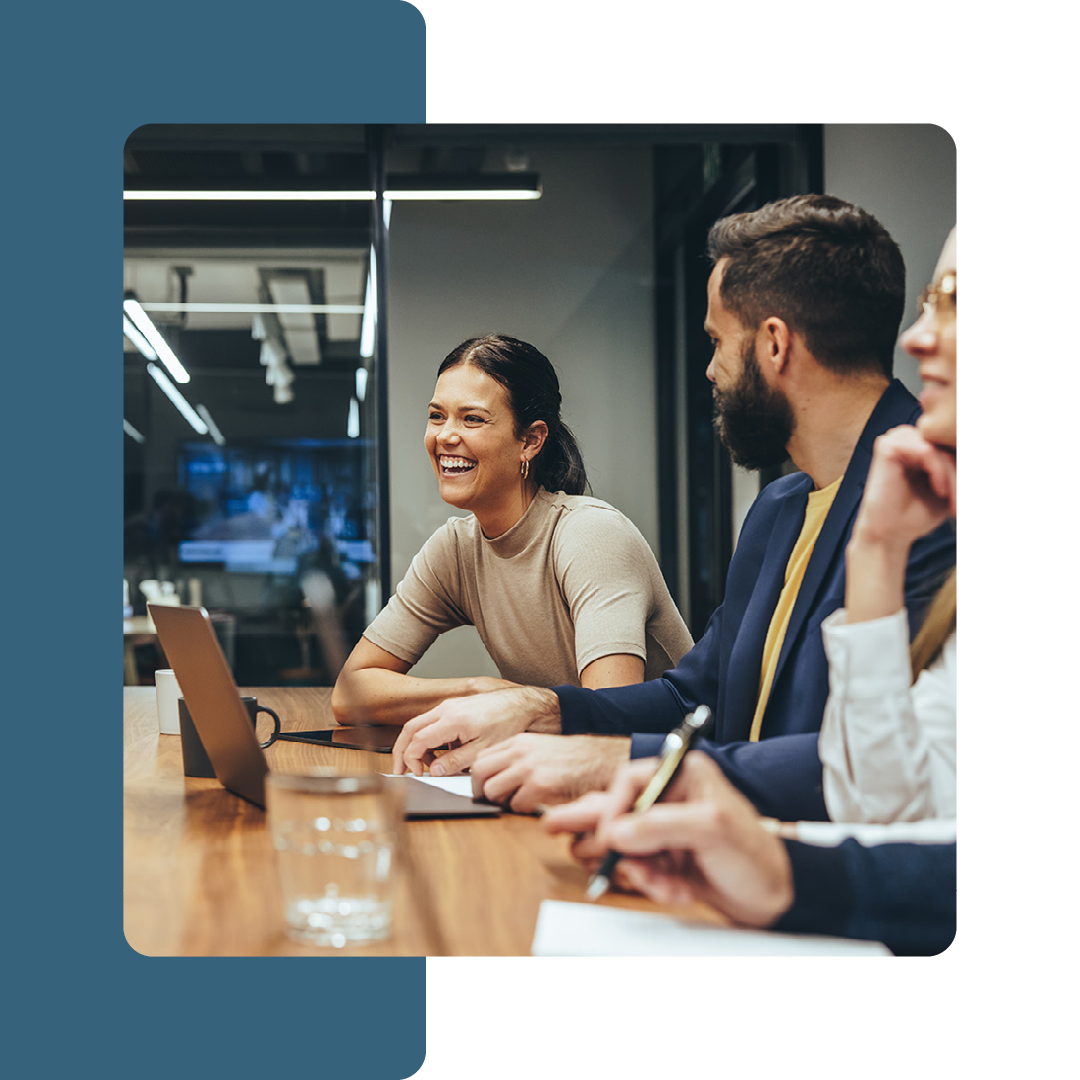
(378, 696)
(543, 706)
(875, 577)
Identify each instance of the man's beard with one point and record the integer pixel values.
(754, 423)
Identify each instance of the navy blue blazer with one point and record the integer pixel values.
(901, 894)
(781, 774)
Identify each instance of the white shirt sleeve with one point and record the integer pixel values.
(887, 748)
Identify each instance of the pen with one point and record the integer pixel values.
(671, 755)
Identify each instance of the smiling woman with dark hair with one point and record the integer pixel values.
(561, 587)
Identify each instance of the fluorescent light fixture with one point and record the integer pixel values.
(131, 430)
(465, 186)
(257, 309)
(371, 299)
(216, 435)
(464, 195)
(353, 428)
(178, 399)
(138, 340)
(420, 186)
(252, 196)
(417, 194)
(146, 327)
(361, 382)
(371, 310)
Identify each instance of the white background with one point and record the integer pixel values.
(1001, 999)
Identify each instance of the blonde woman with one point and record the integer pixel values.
(888, 740)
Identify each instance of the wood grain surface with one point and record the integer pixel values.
(199, 873)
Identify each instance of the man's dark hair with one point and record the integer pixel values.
(827, 268)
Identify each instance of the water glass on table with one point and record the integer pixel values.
(335, 839)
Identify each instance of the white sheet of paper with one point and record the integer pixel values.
(457, 785)
(564, 929)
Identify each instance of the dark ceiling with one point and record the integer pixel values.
(245, 157)
(331, 156)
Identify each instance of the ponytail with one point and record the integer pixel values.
(559, 465)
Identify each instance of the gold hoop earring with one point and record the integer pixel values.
(525, 469)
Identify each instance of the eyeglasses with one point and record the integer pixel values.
(941, 297)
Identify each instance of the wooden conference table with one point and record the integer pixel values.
(199, 874)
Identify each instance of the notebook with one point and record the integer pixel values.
(566, 929)
(213, 699)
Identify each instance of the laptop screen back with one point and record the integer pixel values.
(212, 698)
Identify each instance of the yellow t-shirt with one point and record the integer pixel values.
(817, 509)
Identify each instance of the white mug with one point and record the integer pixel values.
(168, 696)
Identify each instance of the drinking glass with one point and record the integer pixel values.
(335, 838)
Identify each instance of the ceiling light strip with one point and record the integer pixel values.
(134, 432)
(449, 195)
(215, 434)
(140, 343)
(257, 309)
(147, 328)
(371, 309)
(178, 399)
(425, 194)
(252, 196)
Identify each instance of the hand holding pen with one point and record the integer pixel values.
(704, 841)
(677, 743)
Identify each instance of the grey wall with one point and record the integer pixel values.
(905, 175)
(572, 274)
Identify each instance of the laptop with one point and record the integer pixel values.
(213, 699)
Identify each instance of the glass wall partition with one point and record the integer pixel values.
(251, 444)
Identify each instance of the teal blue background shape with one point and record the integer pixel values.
(78, 80)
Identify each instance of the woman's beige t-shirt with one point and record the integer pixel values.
(571, 582)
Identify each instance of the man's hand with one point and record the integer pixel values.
(704, 841)
(532, 770)
(468, 725)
